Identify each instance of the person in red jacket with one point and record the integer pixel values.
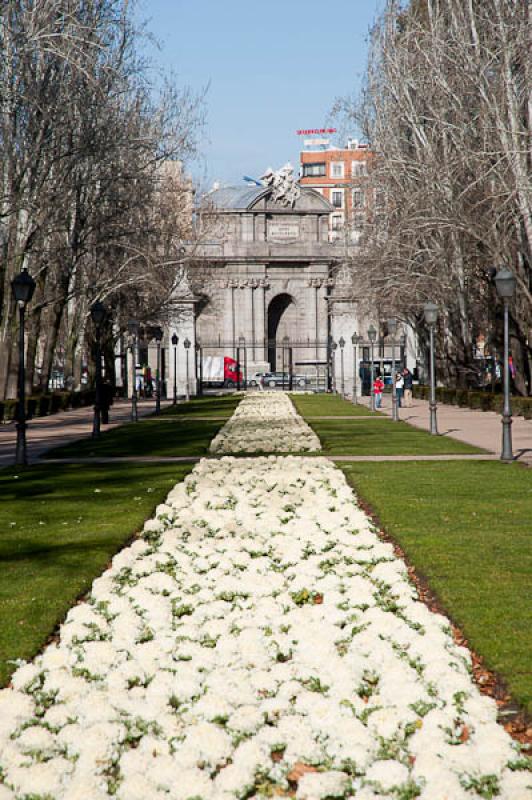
(378, 388)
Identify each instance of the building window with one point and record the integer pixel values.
(337, 169)
(337, 222)
(314, 170)
(380, 198)
(359, 168)
(337, 198)
(358, 198)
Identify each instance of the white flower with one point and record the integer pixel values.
(387, 774)
(262, 622)
(315, 785)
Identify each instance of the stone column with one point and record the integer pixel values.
(264, 285)
(232, 286)
(252, 286)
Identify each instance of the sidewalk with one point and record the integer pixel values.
(479, 428)
(44, 433)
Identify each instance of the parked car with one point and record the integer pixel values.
(272, 379)
(255, 379)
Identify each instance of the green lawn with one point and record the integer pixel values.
(383, 437)
(150, 437)
(179, 431)
(466, 528)
(327, 405)
(60, 527)
(208, 406)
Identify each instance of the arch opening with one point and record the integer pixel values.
(281, 323)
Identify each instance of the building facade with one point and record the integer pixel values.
(340, 175)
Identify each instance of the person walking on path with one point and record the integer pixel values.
(378, 388)
(408, 383)
(399, 388)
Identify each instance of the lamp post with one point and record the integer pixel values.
(505, 283)
(175, 342)
(199, 367)
(430, 311)
(133, 329)
(341, 342)
(22, 287)
(186, 345)
(98, 314)
(372, 336)
(355, 341)
(158, 336)
(392, 330)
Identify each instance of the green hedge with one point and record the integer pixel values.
(483, 401)
(41, 405)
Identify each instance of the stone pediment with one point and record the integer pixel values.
(261, 199)
(309, 201)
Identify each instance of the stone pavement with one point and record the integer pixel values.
(479, 428)
(44, 433)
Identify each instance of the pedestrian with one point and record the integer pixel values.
(399, 389)
(378, 388)
(408, 383)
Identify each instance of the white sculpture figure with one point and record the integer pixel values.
(284, 187)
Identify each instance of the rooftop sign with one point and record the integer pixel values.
(313, 131)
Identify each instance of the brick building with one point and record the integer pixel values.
(340, 174)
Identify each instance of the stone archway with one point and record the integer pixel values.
(281, 323)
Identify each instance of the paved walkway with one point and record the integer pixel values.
(479, 428)
(44, 433)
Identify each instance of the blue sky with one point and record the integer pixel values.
(272, 66)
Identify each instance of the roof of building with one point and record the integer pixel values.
(243, 198)
(236, 197)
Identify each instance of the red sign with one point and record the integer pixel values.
(312, 131)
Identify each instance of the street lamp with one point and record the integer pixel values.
(372, 336)
(186, 345)
(355, 340)
(341, 342)
(505, 283)
(133, 330)
(175, 342)
(430, 311)
(392, 330)
(22, 287)
(158, 336)
(98, 315)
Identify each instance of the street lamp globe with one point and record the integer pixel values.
(23, 287)
(430, 311)
(175, 339)
(392, 326)
(505, 283)
(354, 338)
(334, 345)
(98, 313)
(158, 334)
(372, 334)
(186, 343)
(341, 342)
(133, 327)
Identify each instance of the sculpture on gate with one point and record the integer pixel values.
(285, 188)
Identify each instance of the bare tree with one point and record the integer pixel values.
(446, 108)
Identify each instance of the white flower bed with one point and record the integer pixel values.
(265, 422)
(260, 638)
